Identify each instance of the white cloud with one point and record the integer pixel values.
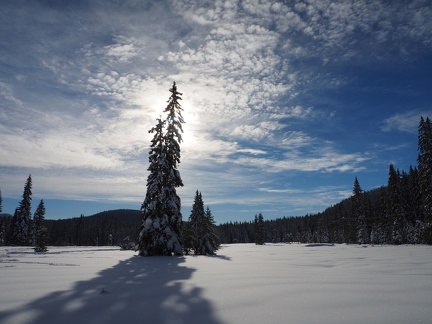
(405, 122)
(329, 162)
(251, 151)
(7, 96)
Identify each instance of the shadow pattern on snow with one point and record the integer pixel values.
(137, 290)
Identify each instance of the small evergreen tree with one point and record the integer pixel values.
(211, 239)
(41, 232)
(21, 221)
(201, 235)
(259, 229)
(196, 221)
(160, 232)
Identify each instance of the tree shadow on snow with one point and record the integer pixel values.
(137, 290)
(217, 256)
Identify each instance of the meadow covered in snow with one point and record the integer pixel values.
(244, 283)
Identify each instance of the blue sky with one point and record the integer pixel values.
(285, 103)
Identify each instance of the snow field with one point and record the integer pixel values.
(245, 283)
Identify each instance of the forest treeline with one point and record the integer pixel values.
(114, 227)
(398, 213)
(337, 224)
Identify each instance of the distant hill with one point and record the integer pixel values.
(336, 224)
(104, 228)
(123, 214)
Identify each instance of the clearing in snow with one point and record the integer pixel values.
(245, 283)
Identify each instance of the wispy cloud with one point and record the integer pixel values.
(406, 122)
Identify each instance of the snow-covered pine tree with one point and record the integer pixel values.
(160, 232)
(21, 221)
(173, 138)
(359, 211)
(259, 229)
(41, 232)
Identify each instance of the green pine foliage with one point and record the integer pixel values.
(394, 205)
(41, 232)
(260, 234)
(200, 235)
(21, 221)
(425, 174)
(211, 238)
(359, 212)
(425, 165)
(2, 231)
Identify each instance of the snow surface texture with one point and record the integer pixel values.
(245, 283)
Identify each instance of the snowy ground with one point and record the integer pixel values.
(245, 283)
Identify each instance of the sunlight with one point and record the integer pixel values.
(189, 127)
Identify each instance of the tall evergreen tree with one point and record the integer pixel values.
(160, 232)
(260, 234)
(359, 211)
(1, 202)
(425, 165)
(41, 232)
(22, 222)
(425, 174)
